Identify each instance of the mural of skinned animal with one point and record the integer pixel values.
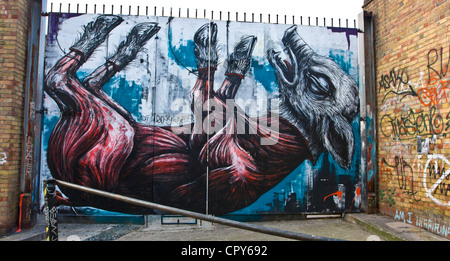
(216, 164)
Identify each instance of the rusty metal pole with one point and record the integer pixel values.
(223, 221)
(29, 179)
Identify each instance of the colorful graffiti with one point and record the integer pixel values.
(415, 126)
(134, 110)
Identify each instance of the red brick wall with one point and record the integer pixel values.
(14, 17)
(412, 47)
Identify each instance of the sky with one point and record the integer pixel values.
(343, 9)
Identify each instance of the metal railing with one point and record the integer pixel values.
(200, 13)
(52, 222)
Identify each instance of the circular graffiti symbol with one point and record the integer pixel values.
(443, 176)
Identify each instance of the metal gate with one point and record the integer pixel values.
(213, 116)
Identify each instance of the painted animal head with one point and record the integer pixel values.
(317, 96)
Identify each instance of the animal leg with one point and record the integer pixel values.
(91, 141)
(205, 51)
(94, 34)
(238, 65)
(62, 76)
(126, 52)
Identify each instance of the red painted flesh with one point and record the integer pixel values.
(95, 145)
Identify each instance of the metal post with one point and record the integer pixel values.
(368, 116)
(29, 180)
(51, 222)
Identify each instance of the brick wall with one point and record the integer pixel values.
(14, 17)
(412, 47)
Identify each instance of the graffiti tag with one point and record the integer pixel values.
(398, 82)
(434, 92)
(439, 173)
(405, 175)
(411, 123)
(434, 57)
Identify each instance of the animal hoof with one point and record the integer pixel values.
(95, 33)
(137, 38)
(239, 60)
(205, 47)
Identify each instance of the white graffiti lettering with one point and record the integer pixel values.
(3, 158)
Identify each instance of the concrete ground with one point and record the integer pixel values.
(330, 228)
(352, 227)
